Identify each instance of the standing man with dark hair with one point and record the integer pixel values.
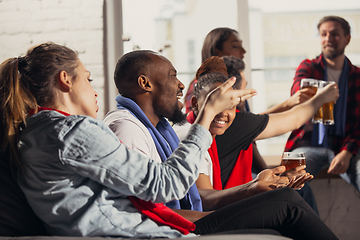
(336, 146)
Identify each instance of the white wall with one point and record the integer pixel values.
(77, 24)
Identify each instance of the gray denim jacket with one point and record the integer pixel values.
(77, 176)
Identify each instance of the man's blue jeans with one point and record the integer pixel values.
(318, 158)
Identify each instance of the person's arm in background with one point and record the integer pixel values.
(280, 123)
(297, 95)
(297, 98)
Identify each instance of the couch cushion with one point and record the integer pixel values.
(208, 237)
(16, 216)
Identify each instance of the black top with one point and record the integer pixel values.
(242, 132)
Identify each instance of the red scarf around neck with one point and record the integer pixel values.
(158, 212)
(32, 111)
(241, 172)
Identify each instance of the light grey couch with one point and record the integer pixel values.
(213, 237)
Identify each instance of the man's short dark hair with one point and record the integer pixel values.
(129, 67)
(344, 24)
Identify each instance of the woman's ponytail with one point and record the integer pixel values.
(16, 101)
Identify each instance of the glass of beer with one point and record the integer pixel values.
(293, 159)
(314, 85)
(328, 109)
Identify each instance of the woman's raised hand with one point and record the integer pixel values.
(225, 97)
(221, 98)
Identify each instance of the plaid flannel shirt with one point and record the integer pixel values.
(316, 69)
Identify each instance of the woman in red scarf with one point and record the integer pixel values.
(250, 127)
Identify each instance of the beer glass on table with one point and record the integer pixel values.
(293, 159)
(328, 108)
(314, 85)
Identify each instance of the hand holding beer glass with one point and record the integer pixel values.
(297, 177)
(328, 108)
(314, 85)
(293, 159)
(325, 114)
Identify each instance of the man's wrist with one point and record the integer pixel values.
(254, 188)
(347, 154)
